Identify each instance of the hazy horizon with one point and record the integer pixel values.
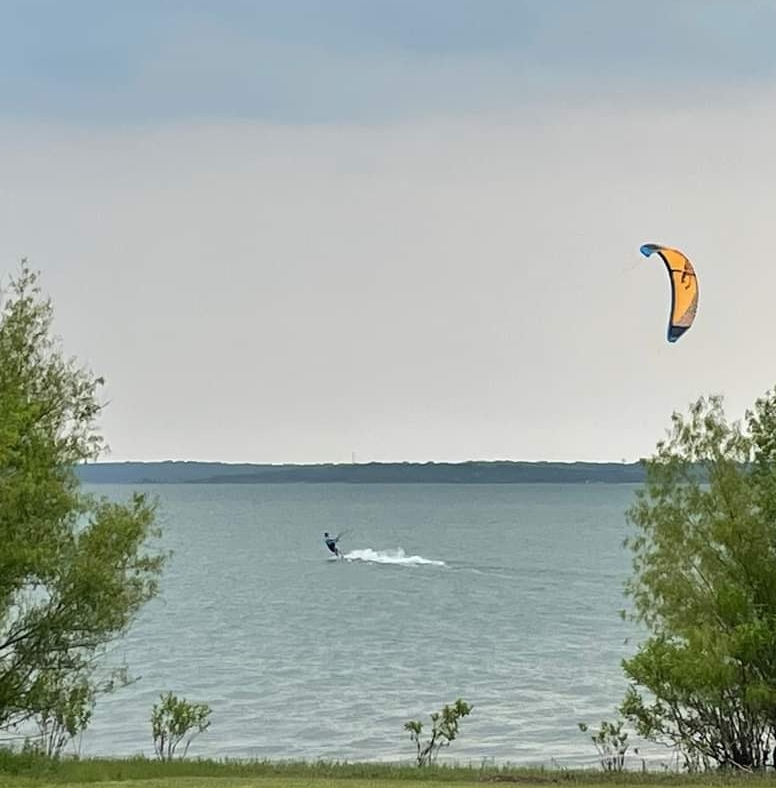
(286, 233)
(357, 461)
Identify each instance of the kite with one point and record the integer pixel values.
(684, 288)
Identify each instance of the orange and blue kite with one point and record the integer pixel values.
(684, 288)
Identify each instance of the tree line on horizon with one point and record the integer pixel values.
(473, 472)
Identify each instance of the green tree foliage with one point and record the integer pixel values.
(444, 729)
(704, 586)
(175, 719)
(74, 569)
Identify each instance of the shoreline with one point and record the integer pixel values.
(73, 770)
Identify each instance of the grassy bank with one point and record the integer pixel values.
(23, 770)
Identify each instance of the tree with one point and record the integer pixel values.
(74, 569)
(704, 587)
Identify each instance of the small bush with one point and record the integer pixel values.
(175, 720)
(611, 743)
(444, 730)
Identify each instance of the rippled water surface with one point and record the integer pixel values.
(505, 595)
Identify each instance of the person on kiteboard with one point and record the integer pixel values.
(331, 543)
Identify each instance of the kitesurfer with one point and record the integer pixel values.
(331, 543)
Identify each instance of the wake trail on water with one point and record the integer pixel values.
(397, 557)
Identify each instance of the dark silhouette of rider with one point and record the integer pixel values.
(331, 543)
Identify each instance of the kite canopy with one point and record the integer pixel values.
(684, 288)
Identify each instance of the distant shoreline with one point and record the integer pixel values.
(472, 472)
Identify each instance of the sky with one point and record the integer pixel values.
(313, 231)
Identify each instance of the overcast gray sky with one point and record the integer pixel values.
(286, 232)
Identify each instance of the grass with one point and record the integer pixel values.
(28, 771)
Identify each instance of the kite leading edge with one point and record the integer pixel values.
(684, 288)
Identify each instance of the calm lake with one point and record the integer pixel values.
(504, 595)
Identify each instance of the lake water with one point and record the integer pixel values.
(504, 595)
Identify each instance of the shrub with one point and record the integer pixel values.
(444, 729)
(174, 720)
